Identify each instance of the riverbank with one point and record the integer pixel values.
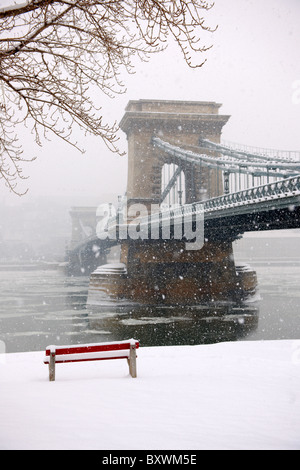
(236, 395)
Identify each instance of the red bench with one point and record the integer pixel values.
(92, 352)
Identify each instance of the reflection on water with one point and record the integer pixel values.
(156, 326)
(38, 308)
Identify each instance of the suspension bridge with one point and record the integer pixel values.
(179, 174)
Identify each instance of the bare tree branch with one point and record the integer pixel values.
(55, 55)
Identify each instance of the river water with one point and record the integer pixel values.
(38, 308)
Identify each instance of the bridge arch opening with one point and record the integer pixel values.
(173, 188)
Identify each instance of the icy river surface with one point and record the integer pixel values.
(38, 308)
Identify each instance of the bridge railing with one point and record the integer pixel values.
(286, 187)
(283, 188)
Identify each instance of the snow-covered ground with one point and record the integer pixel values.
(240, 395)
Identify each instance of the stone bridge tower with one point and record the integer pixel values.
(163, 270)
(181, 123)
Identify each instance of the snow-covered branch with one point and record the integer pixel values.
(18, 8)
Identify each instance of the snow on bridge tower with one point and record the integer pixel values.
(181, 123)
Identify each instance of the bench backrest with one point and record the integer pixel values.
(91, 352)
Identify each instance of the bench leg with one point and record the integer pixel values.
(132, 361)
(52, 367)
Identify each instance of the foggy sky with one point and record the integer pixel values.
(251, 69)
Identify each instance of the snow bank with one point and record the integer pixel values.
(241, 395)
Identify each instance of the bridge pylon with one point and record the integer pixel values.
(179, 122)
(162, 270)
